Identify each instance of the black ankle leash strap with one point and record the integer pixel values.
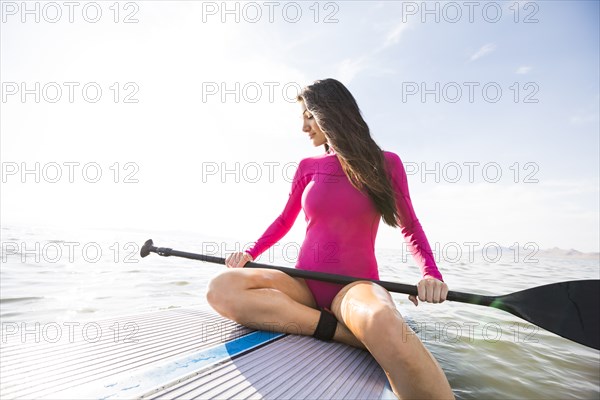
(326, 326)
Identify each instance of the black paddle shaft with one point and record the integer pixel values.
(320, 276)
(569, 309)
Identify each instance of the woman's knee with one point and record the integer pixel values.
(222, 288)
(365, 307)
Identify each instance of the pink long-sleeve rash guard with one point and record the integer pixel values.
(342, 224)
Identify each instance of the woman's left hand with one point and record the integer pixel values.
(431, 290)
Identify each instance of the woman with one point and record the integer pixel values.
(344, 193)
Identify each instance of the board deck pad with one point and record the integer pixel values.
(180, 354)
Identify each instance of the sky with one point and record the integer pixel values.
(180, 115)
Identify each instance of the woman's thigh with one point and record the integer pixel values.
(257, 278)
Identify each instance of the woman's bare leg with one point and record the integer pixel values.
(370, 314)
(269, 300)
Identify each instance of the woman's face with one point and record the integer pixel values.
(310, 126)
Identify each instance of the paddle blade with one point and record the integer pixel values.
(569, 309)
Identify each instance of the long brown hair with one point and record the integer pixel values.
(337, 114)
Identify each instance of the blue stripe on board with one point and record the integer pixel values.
(131, 384)
(176, 371)
(388, 393)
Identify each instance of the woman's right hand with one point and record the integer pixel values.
(238, 259)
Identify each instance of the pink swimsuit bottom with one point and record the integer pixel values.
(342, 224)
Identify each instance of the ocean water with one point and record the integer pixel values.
(57, 275)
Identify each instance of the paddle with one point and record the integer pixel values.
(569, 309)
